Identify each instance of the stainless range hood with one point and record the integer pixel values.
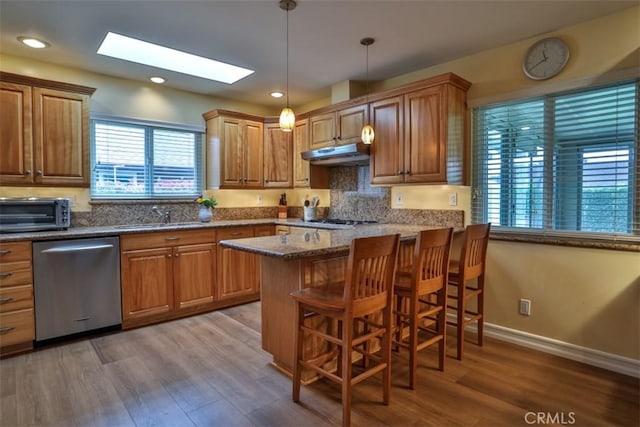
(339, 155)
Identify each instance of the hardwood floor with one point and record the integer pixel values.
(209, 370)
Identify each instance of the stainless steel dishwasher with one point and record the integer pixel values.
(76, 285)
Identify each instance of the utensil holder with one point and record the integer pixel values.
(282, 212)
(309, 213)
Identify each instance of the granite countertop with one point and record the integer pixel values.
(319, 242)
(115, 230)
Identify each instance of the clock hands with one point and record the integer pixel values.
(544, 59)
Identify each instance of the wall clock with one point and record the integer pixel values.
(545, 58)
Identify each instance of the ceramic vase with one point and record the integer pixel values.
(205, 214)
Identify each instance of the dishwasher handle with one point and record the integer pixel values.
(76, 248)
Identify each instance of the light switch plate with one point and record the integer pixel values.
(453, 199)
(399, 199)
(260, 200)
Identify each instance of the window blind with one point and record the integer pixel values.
(560, 163)
(131, 160)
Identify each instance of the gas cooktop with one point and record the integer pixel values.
(343, 221)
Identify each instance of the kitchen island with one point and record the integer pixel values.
(295, 261)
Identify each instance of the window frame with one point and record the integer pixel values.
(481, 164)
(149, 127)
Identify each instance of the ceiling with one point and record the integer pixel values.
(324, 36)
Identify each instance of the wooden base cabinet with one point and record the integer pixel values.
(239, 271)
(17, 327)
(164, 273)
(44, 132)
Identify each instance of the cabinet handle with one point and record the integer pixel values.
(27, 172)
(236, 234)
(306, 179)
(5, 300)
(39, 172)
(400, 172)
(245, 180)
(266, 181)
(171, 238)
(5, 251)
(177, 255)
(407, 172)
(7, 329)
(5, 275)
(168, 255)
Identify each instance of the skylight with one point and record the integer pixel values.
(141, 52)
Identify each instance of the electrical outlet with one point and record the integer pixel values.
(399, 199)
(453, 199)
(260, 199)
(525, 307)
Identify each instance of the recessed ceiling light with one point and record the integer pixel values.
(33, 42)
(277, 94)
(157, 79)
(142, 52)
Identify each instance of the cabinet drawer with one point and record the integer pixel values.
(16, 298)
(15, 273)
(162, 239)
(235, 233)
(15, 251)
(264, 230)
(16, 327)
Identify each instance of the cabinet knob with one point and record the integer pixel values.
(168, 255)
(407, 172)
(27, 172)
(400, 172)
(306, 179)
(245, 180)
(39, 172)
(266, 180)
(177, 255)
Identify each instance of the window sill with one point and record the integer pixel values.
(564, 239)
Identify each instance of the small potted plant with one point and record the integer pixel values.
(206, 204)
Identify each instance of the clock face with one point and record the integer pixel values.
(545, 58)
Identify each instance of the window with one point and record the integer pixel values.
(564, 163)
(138, 160)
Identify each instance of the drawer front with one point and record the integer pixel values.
(15, 251)
(16, 327)
(235, 233)
(16, 298)
(264, 230)
(15, 273)
(163, 239)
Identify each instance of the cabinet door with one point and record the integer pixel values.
(15, 134)
(350, 124)
(278, 161)
(387, 150)
(231, 164)
(300, 144)
(147, 282)
(61, 137)
(322, 130)
(238, 272)
(194, 274)
(425, 155)
(253, 157)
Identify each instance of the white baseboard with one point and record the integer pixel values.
(612, 362)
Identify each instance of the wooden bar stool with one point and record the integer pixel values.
(463, 272)
(421, 298)
(361, 306)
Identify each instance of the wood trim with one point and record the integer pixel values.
(49, 84)
(226, 113)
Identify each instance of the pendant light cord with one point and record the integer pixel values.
(287, 57)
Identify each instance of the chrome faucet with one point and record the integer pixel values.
(166, 215)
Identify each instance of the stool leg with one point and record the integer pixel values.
(298, 353)
(460, 316)
(413, 337)
(347, 338)
(386, 354)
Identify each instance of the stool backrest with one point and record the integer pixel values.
(474, 251)
(431, 260)
(371, 269)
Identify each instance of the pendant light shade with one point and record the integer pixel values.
(368, 134)
(367, 131)
(287, 118)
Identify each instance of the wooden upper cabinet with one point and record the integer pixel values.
(387, 150)
(337, 127)
(44, 132)
(425, 154)
(300, 144)
(421, 133)
(234, 150)
(278, 157)
(61, 137)
(16, 163)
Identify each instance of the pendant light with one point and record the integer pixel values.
(367, 131)
(287, 118)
